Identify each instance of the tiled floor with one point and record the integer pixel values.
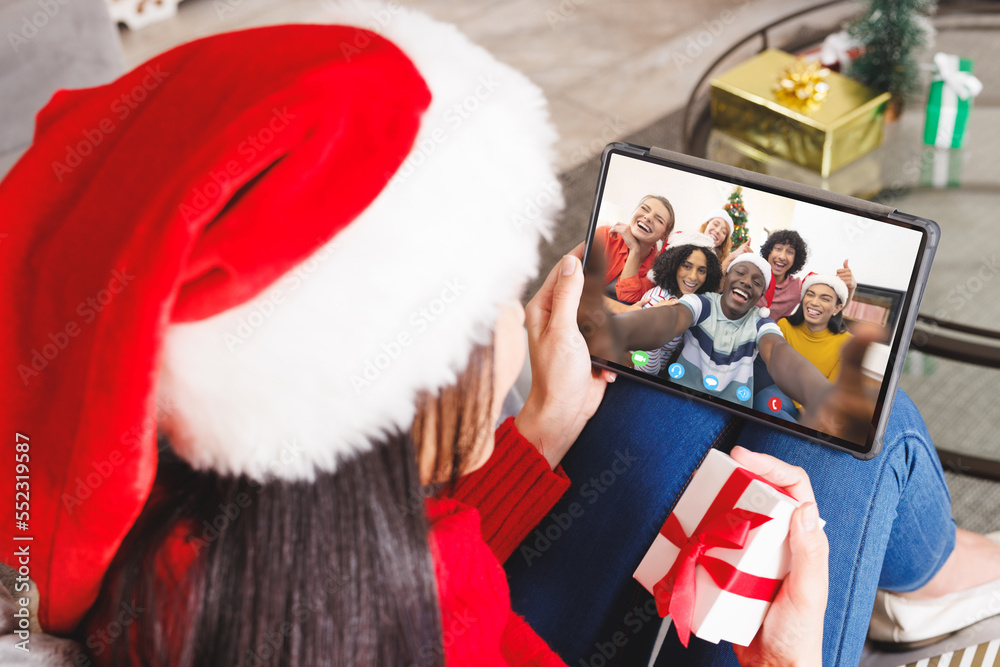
(607, 68)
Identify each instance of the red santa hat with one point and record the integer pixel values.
(263, 243)
(836, 284)
(765, 268)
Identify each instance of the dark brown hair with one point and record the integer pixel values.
(787, 237)
(334, 571)
(667, 262)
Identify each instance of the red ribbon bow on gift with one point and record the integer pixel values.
(722, 526)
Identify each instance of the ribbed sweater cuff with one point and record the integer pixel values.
(513, 491)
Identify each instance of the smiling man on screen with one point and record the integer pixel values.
(723, 334)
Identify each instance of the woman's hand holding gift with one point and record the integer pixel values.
(792, 632)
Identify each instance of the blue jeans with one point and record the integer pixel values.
(888, 522)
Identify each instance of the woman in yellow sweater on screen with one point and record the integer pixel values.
(816, 330)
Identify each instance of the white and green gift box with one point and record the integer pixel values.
(950, 101)
(941, 168)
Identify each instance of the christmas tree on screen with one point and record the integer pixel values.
(734, 207)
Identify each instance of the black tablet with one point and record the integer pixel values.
(740, 264)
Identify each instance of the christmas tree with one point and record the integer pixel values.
(892, 31)
(734, 207)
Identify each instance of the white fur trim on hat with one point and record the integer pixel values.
(838, 285)
(699, 239)
(334, 354)
(721, 213)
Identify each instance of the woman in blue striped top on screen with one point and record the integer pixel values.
(687, 266)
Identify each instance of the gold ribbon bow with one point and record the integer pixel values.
(801, 84)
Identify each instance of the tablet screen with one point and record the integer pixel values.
(746, 263)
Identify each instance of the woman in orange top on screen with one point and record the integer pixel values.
(630, 248)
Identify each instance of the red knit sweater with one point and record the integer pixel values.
(512, 492)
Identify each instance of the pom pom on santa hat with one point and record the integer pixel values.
(765, 268)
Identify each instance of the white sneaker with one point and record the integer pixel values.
(901, 624)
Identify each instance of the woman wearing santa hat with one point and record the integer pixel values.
(230, 455)
(816, 330)
(241, 456)
(688, 266)
(719, 226)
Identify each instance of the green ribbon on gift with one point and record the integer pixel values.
(950, 101)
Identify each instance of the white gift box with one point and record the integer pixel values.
(949, 101)
(719, 487)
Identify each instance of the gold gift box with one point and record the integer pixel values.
(823, 136)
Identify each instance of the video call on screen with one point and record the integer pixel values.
(718, 355)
